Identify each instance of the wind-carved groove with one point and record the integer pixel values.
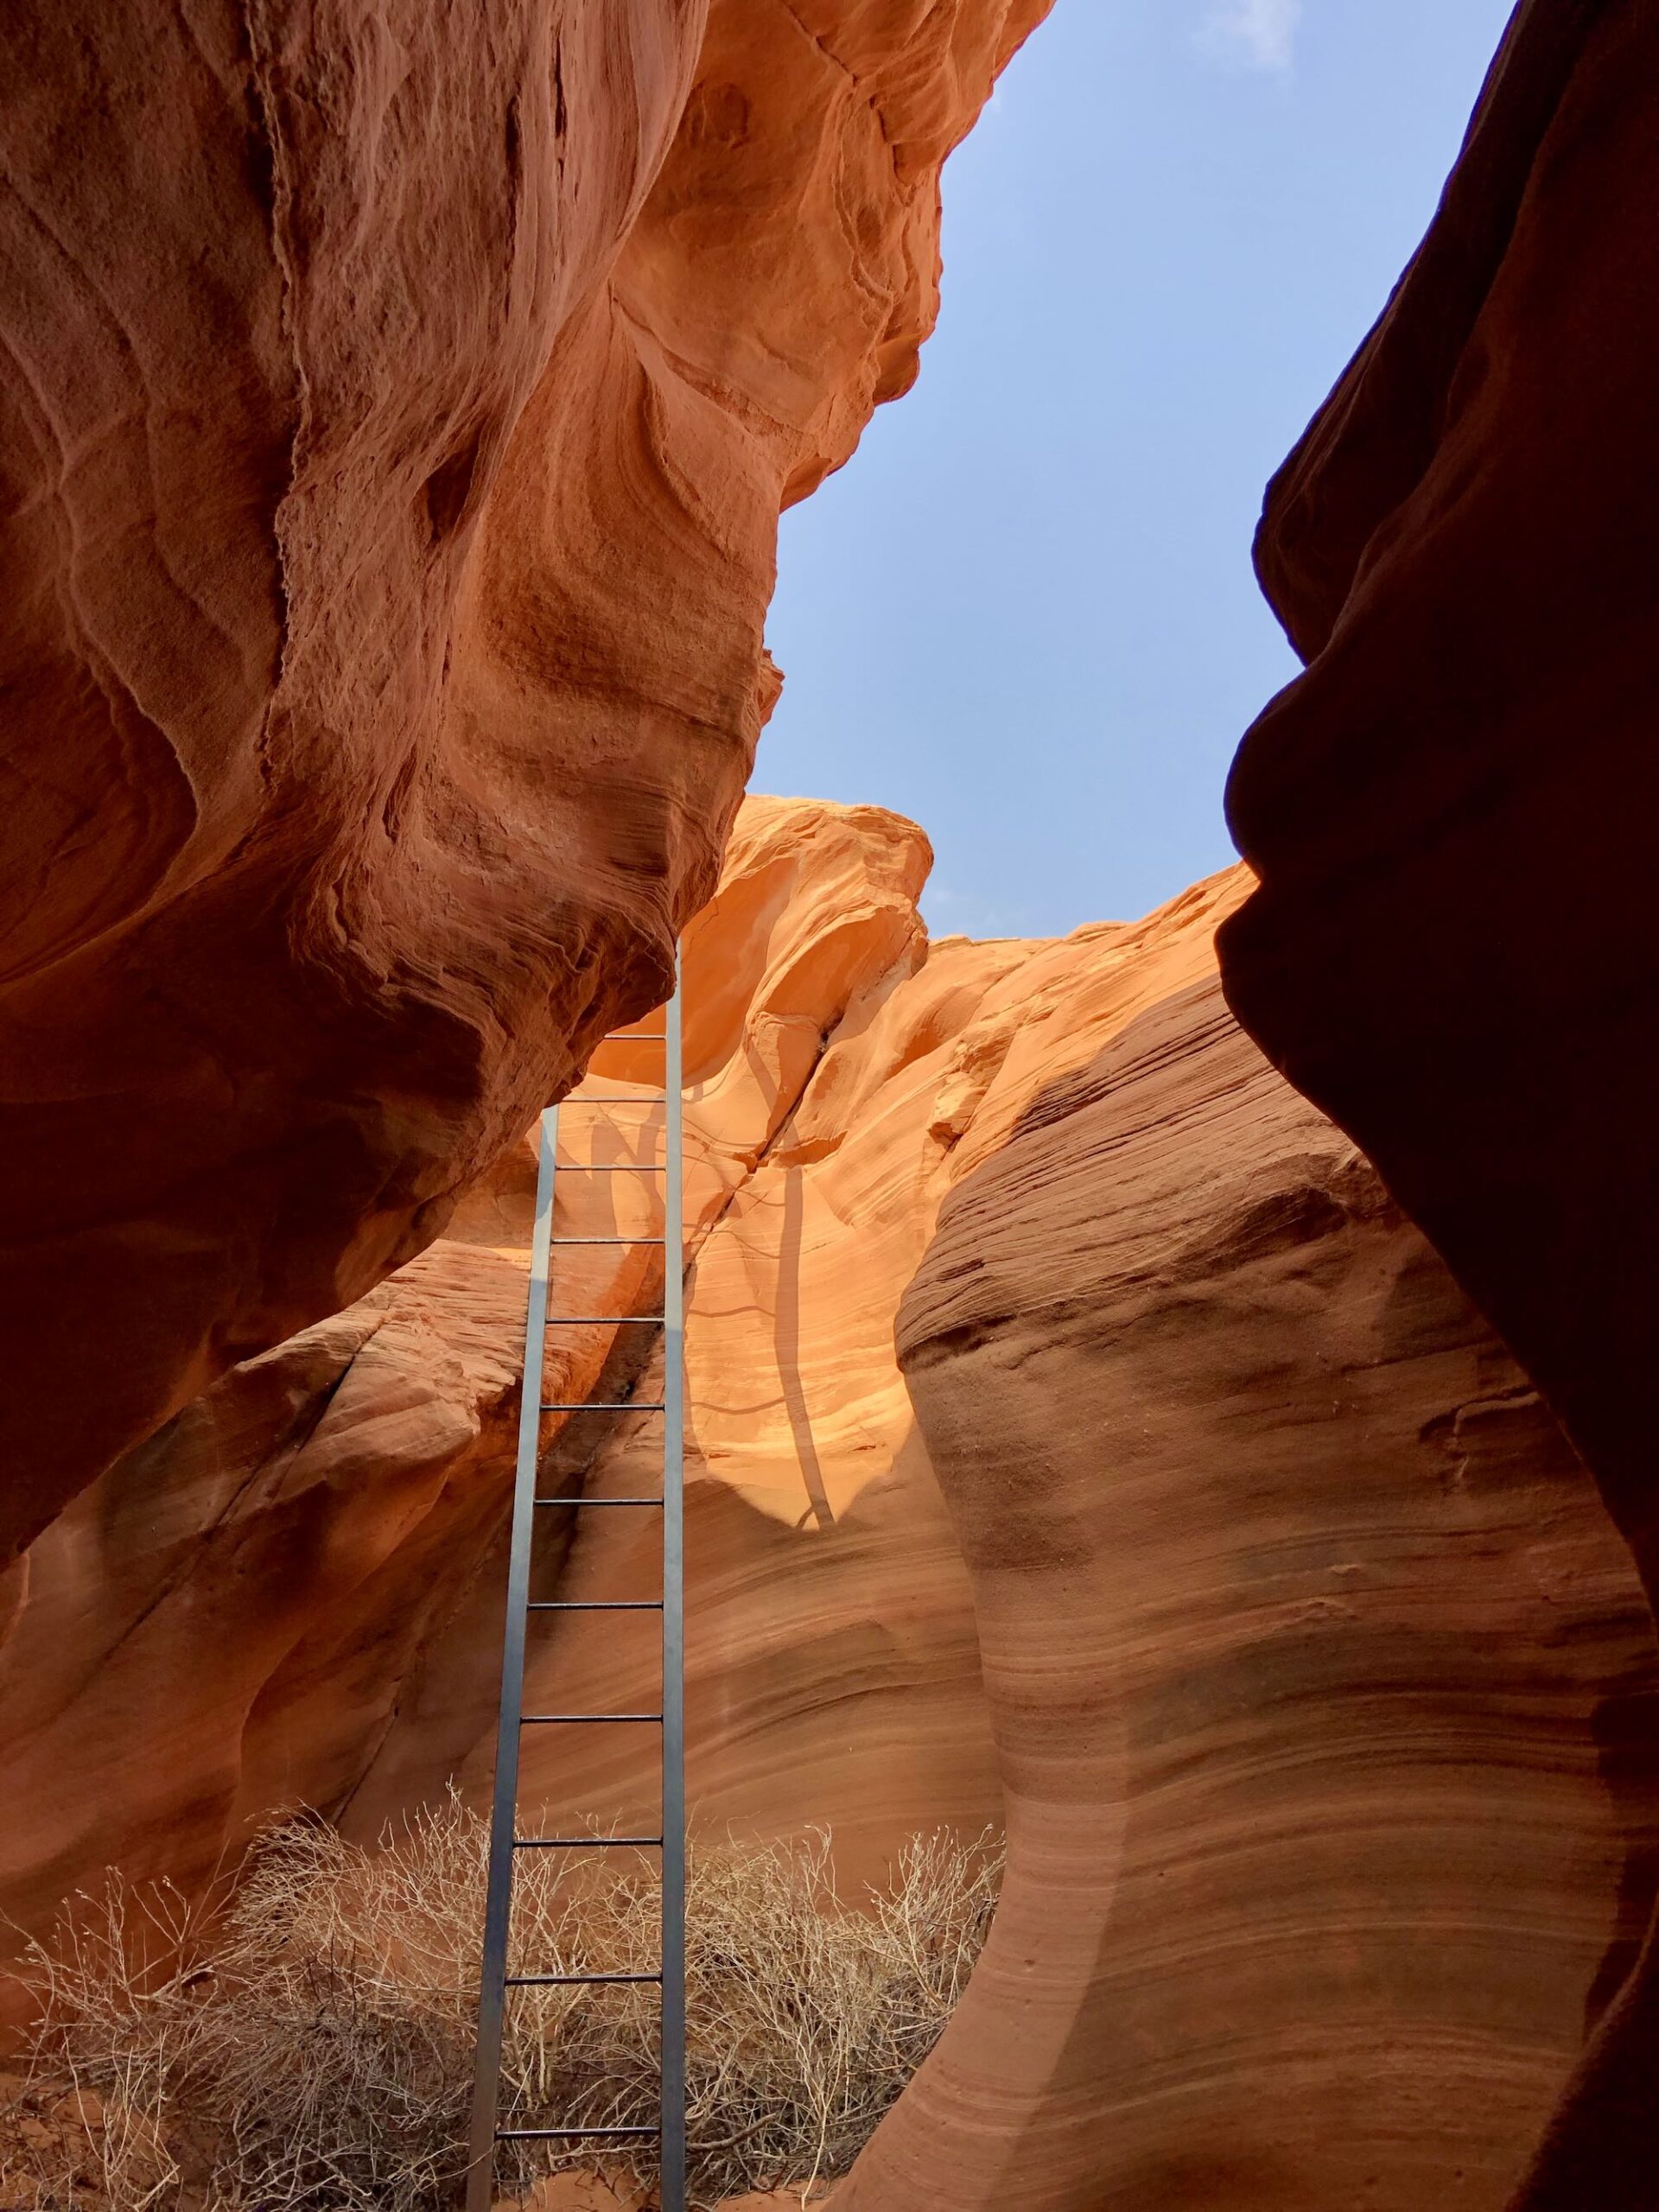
(308, 1421)
(847, 70)
(272, 171)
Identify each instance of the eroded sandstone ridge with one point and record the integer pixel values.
(293, 1592)
(395, 421)
(1451, 812)
(1322, 1684)
(1233, 1560)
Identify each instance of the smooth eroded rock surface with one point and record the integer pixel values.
(1451, 812)
(293, 1593)
(833, 1674)
(1322, 1688)
(1262, 1594)
(396, 416)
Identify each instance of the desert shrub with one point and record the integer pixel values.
(309, 2049)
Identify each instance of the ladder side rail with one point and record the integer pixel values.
(672, 2107)
(504, 1807)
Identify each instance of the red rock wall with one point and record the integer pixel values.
(1318, 1678)
(1451, 812)
(393, 429)
(1323, 1688)
(293, 1592)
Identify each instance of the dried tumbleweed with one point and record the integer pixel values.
(308, 2048)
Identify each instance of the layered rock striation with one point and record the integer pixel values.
(832, 1661)
(292, 1593)
(391, 489)
(1226, 1555)
(1449, 950)
(1322, 1688)
(392, 484)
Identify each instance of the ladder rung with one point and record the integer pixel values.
(587, 1843)
(580, 1719)
(571, 1980)
(602, 1406)
(595, 1605)
(542, 2134)
(596, 1321)
(572, 1503)
(502, 2113)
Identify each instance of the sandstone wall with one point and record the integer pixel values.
(293, 1592)
(833, 1671)
(1451, 811)
(1322, 1688)
(393, 431)
(390, 485)
(1234, 1562)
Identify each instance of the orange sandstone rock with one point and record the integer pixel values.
(238, 1613)
(394, 425)
(832, 1669)
(293, 1593)
(1322, 1684)
(1452, 948)
(1314, 1680)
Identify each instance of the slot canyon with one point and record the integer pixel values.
(1169, 1395)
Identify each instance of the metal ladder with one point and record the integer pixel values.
(505, 1840)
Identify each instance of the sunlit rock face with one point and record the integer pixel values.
(394, 419)
(1226, 1553)
(833, 1668)
(1322, 1684)
(294, 1592)
(1450, 950)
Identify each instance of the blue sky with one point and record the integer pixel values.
(1024, 612)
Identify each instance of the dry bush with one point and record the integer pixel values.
(311, 2051)
(118, 1966)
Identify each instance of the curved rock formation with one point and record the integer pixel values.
(391, 480)
(1451, 950)
(1323, 1688)
(833, 1674)
(1317, 1678)
(294, 1590)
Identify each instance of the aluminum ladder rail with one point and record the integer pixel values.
(505, 1840)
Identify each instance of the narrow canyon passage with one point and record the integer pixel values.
(1233, 1563)
(1172, 1395)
